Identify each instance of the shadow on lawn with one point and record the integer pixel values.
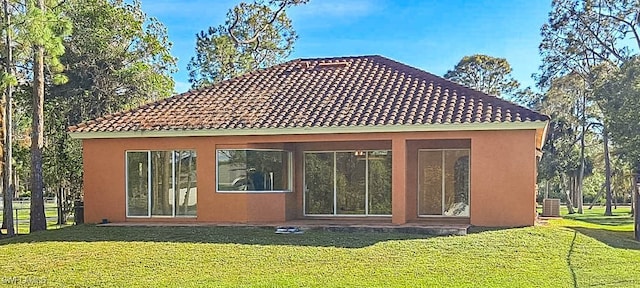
(219, 235)
(616, 220)
(616, 239)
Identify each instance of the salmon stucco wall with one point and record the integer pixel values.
(502, 175)
(104, 196)
(105, 191)
(503, 178)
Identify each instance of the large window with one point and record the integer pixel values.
(443, 182)
(161, 183)
(347, 183)
(253, 170)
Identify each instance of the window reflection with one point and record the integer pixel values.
(443, 182)
(253, 170)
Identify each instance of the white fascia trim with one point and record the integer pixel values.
(315, 130)
(544, 135)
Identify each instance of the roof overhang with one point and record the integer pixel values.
(539, 126)
(541, 136)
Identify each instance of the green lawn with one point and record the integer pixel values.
(585, 251)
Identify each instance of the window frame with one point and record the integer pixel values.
(149, 186)
(126, 183)
(335, 194)
(442, 192)
(289, 166)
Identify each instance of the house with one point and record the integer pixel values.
(364, 138)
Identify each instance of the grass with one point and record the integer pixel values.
(576, 251)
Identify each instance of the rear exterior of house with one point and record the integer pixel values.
(360, 138)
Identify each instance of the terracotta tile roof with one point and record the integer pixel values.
(325, 92)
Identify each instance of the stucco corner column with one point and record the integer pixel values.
(398, 178)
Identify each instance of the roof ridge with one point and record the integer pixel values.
(339, 57)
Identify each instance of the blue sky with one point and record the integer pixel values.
(430, 35)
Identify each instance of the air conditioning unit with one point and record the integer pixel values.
(551, 208)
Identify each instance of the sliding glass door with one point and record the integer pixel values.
(348, 183)
(379, 182)
(443, 182)
(318, 174)
(138, 184)
(161, 183)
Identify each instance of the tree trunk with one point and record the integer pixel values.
(16, 182)
(580, 181)
(636, 191)
(597, 196)
(607, 168)
(569, 192)
(38, 222)
(546, 189)
(633, 195)
(61, 216)
(633, 202)
(7, 153)
(574, 190)
(3, 154)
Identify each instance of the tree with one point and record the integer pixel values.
(8, 81)
(44, 31)
(255, 35)
(581, 35)
(618, 95)
(484, 73)
(30, 28)
(617, 91)
(564, 103)
(38, 220)
(127, 64)
(124, 65)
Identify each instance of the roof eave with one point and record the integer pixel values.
(543, 136)
(485, 126)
